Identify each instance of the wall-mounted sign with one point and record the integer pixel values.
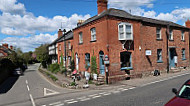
(106, 58)
(148, 52)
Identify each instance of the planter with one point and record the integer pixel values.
(95, 76)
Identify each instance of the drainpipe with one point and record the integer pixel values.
(167, 38)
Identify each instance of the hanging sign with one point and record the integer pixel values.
(148, 52)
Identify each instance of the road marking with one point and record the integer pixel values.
(72, 102)
(55, 103)
(27, 82)
(124, 89)
(102, 93)
(132, 88)
(120, 88)
(28, 87)
(85, 99)
(164, 79)
(32, 100)
(96, 96)
(82, 97)
(68, 100)
(60, 104)
(107, 94)
(93, 95)
(43, 105)
(48, 92)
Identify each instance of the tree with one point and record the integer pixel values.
(27, 57)
(42, 54)
(72, 62)
(93, 65)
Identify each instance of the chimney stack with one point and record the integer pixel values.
(187, 23)
(80, 22)
(11, 47)
(5, 45)
(102, 5)
(60, 33)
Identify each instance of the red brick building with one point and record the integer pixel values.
(138, 45)
(5, 50)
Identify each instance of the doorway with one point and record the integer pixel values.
(101, 65)
(172, 54)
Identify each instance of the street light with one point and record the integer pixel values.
(64, 31)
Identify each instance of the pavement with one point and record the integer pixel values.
(32, 89)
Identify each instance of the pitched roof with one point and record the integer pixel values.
(67, 35)
(5, 50)
(123, 14)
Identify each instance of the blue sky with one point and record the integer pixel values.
(30, 23)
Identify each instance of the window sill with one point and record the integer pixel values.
(93, 41)
(159, 39)
(171, 40)
(183, 40)
(126, 68)
(80, 43)
(184, 59)
(159, 61)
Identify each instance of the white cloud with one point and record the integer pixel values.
(31, 42)
(11, 6)
(16, 21)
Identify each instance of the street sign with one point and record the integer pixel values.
(148, 52)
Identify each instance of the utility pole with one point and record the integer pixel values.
(64, 31)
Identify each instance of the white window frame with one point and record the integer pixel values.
(158, 33)
(80, 37)
(159, 55)
(124, 32)
(183, 35)
(93, 34)
(171, 36)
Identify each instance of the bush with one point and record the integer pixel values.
(51, 76)
(54, 68)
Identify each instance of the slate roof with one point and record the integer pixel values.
(68, 35)
(123, 14)
(5, 50)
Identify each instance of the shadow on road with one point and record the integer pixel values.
(8, 84)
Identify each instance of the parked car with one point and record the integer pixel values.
(17, 72)
(182, 97)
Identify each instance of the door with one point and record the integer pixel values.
(77, 62)
(172, 54)
(101, 60)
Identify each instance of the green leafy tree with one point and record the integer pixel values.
(93, 65)
(72, 62)
(42, 54)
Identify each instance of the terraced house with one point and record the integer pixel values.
(129, 46)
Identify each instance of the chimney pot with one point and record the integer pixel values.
(5, 45)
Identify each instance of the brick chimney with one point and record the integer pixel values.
(80, 22)
(102, 5)
(5, 45)
(187, 23)
(60, 33)
(11, 47)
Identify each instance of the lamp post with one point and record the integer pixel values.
(64, 31)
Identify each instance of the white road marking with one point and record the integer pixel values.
(43, 105)
(85, 99)
(97, 96)
(115, 91)
(27, 82)
(107, 94)
(50, 92)
(55, 103)
(59, 104)
(93, 95)
(68, 100)
(32, 100)
(28, 87)
(164, 79)
(120, 88)
(72, 102)
(102, 93)
(82, 97)
(124, 89)
(132, 88)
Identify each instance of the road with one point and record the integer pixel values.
(32, 89)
